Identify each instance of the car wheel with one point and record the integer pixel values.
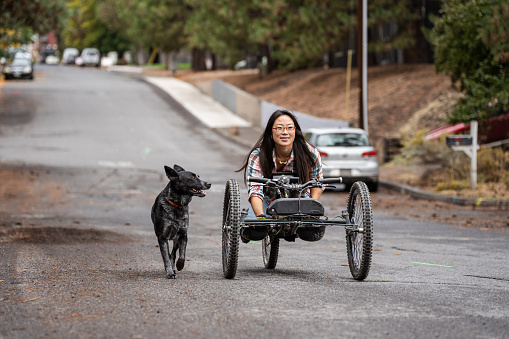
(373, 186)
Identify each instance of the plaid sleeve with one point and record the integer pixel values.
(254, 170)
(316, 171)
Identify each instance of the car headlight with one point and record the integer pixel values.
(7, 69)
(27, 69)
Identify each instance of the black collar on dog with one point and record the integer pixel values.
(174, 204)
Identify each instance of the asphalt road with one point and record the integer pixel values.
(81, 161)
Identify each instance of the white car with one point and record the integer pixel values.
(52, 60)
(346, 153)
(90, 57)
(69, 56)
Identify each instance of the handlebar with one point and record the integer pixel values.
(282, 184)
(337, 180)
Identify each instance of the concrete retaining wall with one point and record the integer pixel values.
(257, 111)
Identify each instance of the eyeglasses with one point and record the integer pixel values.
(281, 128)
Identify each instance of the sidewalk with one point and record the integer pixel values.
(209, 112)
(221, 120)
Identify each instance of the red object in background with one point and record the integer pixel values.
(52, 39)
(369, 154)
(493, 129)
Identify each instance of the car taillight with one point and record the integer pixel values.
(323, 155)
(369, 154)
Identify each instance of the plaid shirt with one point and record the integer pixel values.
(254, 170)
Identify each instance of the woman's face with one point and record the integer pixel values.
(283, 131)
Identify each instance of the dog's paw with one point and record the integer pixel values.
(180, 264)
(171, 276)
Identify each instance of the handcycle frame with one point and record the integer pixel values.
(286, 218)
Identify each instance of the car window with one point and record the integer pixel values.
(342, 139)
(20, 62)
(307, 136)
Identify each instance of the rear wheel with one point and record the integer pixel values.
(359, 240)
(230, 228)
(270, 251)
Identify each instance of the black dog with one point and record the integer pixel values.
(170, 215)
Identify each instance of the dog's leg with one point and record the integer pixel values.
(182, 240)
(168, 264)
(173, 254)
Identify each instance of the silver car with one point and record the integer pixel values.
(348, 153)
(90, 57)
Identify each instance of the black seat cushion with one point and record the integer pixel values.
(290, 206)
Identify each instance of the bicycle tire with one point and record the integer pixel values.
(360, 244)
(231, 228)
(270, 251)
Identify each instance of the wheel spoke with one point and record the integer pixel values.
(357, 238)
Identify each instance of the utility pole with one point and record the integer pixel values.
(362, 61)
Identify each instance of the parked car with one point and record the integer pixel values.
(90, 57)
(45, 53)
(346, 152)
(69, 56)
(19, 68)
(52, 60)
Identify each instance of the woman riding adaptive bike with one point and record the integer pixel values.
(285, 176)
(281, 148)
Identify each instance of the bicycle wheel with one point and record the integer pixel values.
(359, 241)
(231, 227)
(270, 251)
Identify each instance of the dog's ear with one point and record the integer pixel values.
(178, 168)
(171, 173)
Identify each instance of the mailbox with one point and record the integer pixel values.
(458, 140)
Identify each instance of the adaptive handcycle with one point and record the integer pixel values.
(292, 215)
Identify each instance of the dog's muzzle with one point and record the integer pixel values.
(198, 192)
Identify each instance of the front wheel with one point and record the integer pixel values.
(270, 251)
(359, 239)
(231, 228)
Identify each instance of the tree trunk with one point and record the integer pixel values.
(214, 62)
(270, 62)
(198, 60)
(166, 58)
(330, 61)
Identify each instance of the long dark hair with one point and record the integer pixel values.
(304, 159)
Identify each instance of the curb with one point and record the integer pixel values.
(420, 194)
